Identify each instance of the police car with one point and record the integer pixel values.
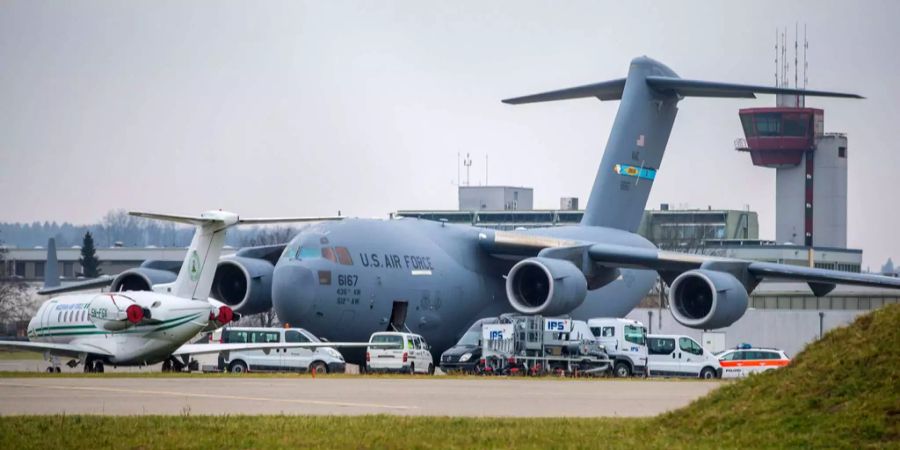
(744, 360)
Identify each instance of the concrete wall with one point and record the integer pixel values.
(787, 330)
(830, 193)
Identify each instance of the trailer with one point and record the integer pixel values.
(537, 345)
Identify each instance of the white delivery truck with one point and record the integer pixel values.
(680, 356)
(625, 342)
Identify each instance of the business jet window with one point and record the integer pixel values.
(343, 256)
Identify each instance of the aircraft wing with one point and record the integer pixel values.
(94, 283)
(199, 349)
(66, 349)
(670, 264)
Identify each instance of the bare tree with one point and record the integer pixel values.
(15, 302)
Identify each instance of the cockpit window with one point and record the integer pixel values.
(308, 253)
(343, 256)
(328, 254)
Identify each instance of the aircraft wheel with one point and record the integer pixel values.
(57, 370)
(431, 369)
(49, 370)
(238, 367)
(98, 366)
(167, 366)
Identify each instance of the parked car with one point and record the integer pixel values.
(319, 360)
(681, 356)
(744, 360)
(465, 356)
(408, 354)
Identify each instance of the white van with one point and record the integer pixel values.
(680, 356)
(408, 354)
(318, 360)
(625, 342)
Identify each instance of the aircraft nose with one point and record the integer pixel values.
(293, 292)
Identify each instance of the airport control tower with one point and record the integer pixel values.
(810, 165)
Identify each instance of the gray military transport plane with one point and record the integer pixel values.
(344, 280)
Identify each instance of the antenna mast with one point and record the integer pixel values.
(468, 163)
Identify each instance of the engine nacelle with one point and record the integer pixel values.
(141, 279)
(244, 284)
(707, 299)
(114, 312)
(545, 286)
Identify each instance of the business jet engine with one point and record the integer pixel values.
(545, 286)
(143, 278)
(115, 312)
(707, 299)
(244, 284)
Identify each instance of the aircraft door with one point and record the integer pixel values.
(398, 316)
(44, 316)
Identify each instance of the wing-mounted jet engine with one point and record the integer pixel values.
(244, 281)
(545, 286)
(707, 299)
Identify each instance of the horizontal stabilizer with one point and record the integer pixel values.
(221, 216)
(289, 219)
(94, 283)
(606, 90)
(695, 88)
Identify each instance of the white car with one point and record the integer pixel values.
(408, 354)
(318, 360)
(742, 361)
(680, 356)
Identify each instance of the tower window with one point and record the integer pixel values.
(842, 152)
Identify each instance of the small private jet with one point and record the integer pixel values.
(136, 328)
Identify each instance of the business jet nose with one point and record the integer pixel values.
(293, 292)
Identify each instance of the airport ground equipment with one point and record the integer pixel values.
(625, 342)
(538, 345)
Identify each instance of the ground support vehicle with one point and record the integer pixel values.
(625, 342)
(536, 345)
(407, 353)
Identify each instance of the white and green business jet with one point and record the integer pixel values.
(144, 327)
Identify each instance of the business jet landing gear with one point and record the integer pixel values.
(54, 369)
(93, 366)
(54, 363)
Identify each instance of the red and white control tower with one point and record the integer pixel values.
(811, 172)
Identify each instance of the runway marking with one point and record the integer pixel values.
(215, 396)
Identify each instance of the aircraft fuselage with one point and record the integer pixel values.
(447, 281)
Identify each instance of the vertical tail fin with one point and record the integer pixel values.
(51, 267)
(640, 132)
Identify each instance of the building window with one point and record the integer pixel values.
(842, 152)
(20, 269)
(39, 269)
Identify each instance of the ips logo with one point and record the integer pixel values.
(556, 325)
(496, 335)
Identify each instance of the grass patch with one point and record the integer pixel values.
(8, 355)
(841, 392)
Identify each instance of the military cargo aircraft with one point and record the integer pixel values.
(344, 280)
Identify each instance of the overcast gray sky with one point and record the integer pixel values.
(306, 108)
